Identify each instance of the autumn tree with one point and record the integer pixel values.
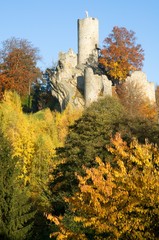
(120, 54)
(18, 59)
(33, 140)
(117, 199)
(88, 136)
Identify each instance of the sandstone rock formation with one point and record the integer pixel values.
(77, 85)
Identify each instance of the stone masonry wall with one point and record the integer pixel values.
(148, 88)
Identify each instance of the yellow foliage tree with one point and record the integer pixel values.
(118, 199)
(34, 138)
(64, 120)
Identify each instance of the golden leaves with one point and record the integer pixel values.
(34, 138)
(120, 197)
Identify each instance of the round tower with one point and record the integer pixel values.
(88, 38)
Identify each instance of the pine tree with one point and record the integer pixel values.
(15, 208)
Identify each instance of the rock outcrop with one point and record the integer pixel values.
(77, 85)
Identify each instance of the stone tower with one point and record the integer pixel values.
(75, 80)
(88, 38)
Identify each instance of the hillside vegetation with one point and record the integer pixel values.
(83, 175)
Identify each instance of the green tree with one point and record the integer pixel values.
(86, 140)
(16, 210)
(89, 135)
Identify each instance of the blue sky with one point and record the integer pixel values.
(51, 25)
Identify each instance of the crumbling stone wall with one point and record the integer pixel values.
(96, 86)
(148, 88)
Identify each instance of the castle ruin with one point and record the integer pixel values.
(75, 81)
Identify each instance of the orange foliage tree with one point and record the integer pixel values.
(120, 54)
(118, 199)
(18, 59)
